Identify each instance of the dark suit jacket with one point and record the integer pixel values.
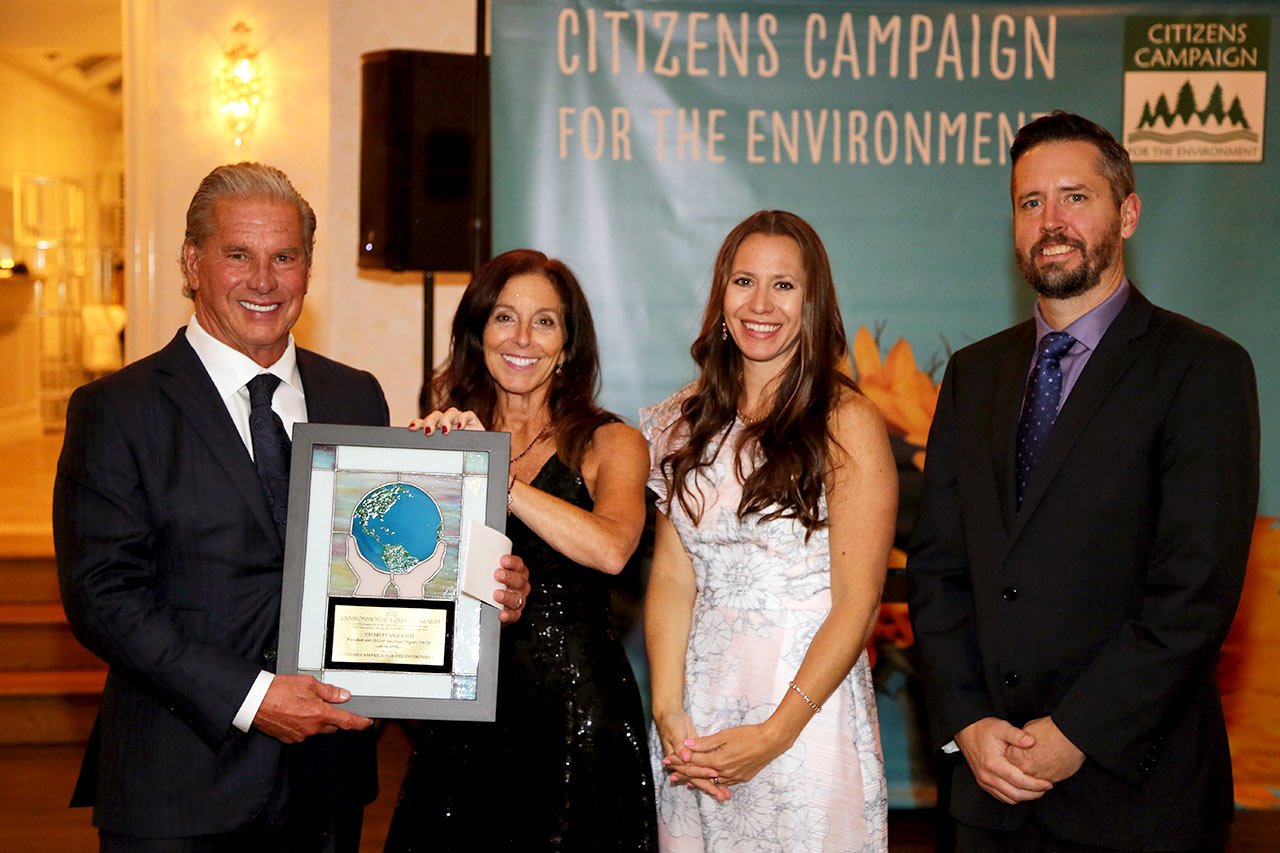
(1104, 602)
(170, 570)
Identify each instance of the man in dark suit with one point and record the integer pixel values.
(1081, 543)
(170, 548)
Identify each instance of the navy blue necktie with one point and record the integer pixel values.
(1041, 406)
(271, 446)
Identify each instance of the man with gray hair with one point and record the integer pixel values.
(169, 513)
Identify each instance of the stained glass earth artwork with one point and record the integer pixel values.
(396, 527)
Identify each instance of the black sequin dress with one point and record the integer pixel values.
(565, 765)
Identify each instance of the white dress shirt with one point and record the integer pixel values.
(231, 371)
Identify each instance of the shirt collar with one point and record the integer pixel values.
(230, 369)
(1089, 328)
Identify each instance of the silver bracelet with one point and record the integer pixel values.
(817, 709)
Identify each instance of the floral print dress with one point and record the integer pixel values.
(762, 593)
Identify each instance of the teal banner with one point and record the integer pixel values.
(629, 137)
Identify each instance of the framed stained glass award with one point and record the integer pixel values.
(375, 554)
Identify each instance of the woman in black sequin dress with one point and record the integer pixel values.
(565, 765)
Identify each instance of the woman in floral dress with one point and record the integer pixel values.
(777, 496)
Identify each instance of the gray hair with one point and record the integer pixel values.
(241, 181)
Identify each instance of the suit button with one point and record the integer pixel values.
(1010, 593)
(269, 655)
(1011, 679)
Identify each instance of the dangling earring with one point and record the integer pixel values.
(724, 331)
(559, 368)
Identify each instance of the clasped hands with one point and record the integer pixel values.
(1016, 765)
(713, 762)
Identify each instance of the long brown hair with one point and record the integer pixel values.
(464, 381)
(793, 439)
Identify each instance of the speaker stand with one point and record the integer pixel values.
(428, 340)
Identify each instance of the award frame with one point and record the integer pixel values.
(367, 602)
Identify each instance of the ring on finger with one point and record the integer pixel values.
(520, 603)
(715, 780)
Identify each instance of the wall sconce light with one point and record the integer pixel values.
(240, 84)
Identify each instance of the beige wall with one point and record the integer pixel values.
(389, 340)
(52, 133)
(309, 126)
(174, 136)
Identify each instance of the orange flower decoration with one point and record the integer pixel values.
(905, 395)
(1247, 674)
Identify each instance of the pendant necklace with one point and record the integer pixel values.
(514, 459)
(742, 417)
(537, 438)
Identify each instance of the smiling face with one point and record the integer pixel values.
(250, 276)
(764, 299)
(1067, 230)
(524, 336)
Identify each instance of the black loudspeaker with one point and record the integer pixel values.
(424, 161)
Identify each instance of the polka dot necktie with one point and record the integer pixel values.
(1041, 406)
(271, 446)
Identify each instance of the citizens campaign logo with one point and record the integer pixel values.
(1195, 89)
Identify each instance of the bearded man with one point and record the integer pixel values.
(1089, 495)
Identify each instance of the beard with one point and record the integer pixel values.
(1058, 281)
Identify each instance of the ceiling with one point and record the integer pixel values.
(74, 44)
(92, 75)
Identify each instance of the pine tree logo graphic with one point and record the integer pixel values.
(1188, 122)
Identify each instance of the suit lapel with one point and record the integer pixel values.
(1010, 387)
(185, 382)
(318, 385)
(1116, 352)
